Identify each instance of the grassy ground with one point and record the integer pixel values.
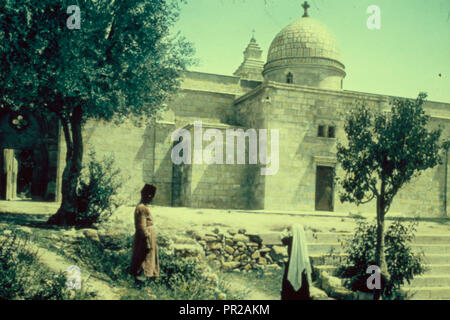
(106, 270)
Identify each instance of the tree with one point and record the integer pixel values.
(121, 63)
(385, 151)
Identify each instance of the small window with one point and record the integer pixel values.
(321, 131)
(331, 132)
(289, 78)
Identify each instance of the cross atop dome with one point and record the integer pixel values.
(305, 6)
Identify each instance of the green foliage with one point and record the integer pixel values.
(385, 150)
(402, 263)
(105, 259)
(97, 192)
(122, 62)
(22, 277)
(180, 278)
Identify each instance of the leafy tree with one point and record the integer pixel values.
(385, 151)
(122, 63)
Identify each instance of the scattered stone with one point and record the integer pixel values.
(240, 244)
(317, 294)
(269, 238)
(214, 246)
(333, 287)
(264, 250)
(210, 238)
(240, 237)
(256, 255)
(221, 296)
(273, 267)
(184, 240)
(279, 251)
(188, 250)
(230, 265)
(211, 257)
(91, 234)
(262, 261)
(229, 249)
(242, 231)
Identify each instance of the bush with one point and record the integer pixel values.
(97, 191)
(99, 257)
(22, 277)
(401, 262)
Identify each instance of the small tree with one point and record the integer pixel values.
(121, 63)
(385, 151)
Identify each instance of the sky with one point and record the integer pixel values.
(409, 54)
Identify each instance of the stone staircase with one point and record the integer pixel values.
(325, 251)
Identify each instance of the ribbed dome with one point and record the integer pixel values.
(304, 38)
(305, 53)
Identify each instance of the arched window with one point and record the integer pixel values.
(289, 78)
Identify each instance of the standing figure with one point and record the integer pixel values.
(145, 259)
(297, 273)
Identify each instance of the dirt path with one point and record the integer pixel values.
(253, 292)
(57, 263)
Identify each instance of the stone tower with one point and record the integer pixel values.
(253, 64)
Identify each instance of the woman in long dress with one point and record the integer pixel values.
(297, 273)
(145, 259)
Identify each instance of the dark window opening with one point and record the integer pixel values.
(321, 131)
(331, 132)
(289, 78)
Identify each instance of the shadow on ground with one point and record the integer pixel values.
(26, 220)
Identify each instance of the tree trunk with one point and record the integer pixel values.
(380, 258)
(68, 210)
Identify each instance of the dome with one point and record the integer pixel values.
(307, 50)
(305, 37)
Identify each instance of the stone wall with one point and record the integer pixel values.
(143, 154)
(235, 250)
(213, 185)
(296, 112)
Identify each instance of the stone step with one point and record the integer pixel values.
(338, 237)
(438, 269)
(430, 280)
(432, 239)
(327, 259)
(431, 248)
(430, 293)
(328, 268)
(327, 247)
(436, 258)
(434, 269)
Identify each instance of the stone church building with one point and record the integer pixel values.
(298, 90)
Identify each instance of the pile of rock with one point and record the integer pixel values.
(238, 251)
